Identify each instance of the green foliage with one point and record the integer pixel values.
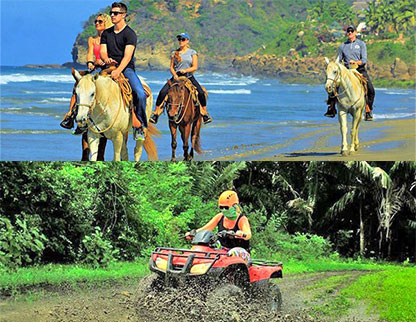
(391, 292)
(20, 244)
(96, 251)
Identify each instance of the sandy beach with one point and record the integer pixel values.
(388, 140)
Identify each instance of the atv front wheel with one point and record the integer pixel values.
(225, 303)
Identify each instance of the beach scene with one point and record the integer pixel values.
(254, 119)
(266, 96)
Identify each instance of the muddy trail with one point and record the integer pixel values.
(306, 297)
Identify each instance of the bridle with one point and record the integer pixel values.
(334, 86)
(181, 105)
(90, 122)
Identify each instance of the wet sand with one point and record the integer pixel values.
(380, 140)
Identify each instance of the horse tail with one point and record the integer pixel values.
(149, 144)
(196, 142)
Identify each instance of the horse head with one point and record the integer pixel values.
(333, 75)
(85, 92)
(176, 99)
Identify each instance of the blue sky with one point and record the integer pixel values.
(42, 31)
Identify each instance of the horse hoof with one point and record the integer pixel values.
(344, 153)
(173, 160)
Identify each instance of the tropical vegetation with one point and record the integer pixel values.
(94, 214)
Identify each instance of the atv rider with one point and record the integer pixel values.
(231, 219)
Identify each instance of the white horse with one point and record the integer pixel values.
(346, 86)
(101, 109)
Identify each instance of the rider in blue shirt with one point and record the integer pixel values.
(354, 52)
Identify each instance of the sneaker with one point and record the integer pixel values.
(80, 130)
(67, 122)
(138, 134)
(206, 118)
(153, 118)
(369, 116)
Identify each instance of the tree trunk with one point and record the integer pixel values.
(362, 236)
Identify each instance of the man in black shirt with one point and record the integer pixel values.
(118, 44)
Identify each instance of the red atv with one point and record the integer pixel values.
(222, 275)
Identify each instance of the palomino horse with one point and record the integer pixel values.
(101, 109)
(182, 113)
(346, 86)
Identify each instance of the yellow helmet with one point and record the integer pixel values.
(228, 198)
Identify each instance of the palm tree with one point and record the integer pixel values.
(389, 191)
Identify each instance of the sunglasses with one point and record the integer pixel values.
(98, 21)
(225, 207)
(181, 39)
(350, 31)
(116, 13)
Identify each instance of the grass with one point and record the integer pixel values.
(324, 265)
(53, 274)
(392, 293)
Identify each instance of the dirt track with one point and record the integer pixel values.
(302, 295)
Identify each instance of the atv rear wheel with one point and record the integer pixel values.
(225, 303)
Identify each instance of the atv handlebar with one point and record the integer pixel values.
(222, 234)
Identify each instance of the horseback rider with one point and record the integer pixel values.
(102, 21)
(230, 218)
(353, 53)
(184, 62)
(118, 44)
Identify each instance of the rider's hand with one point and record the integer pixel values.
(110, 61)
(352, 62)
(99, 62)
(188, 236)
(175, 77)
(115, 74)
(182, 71)
(90, 66)
(240, 234)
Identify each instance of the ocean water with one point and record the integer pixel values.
(247, 112)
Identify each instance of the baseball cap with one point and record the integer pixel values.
(184, 35)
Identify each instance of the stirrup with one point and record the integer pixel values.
(369, 116)
(154, 118)
(67, 122)
(80, 130)
(206, 118)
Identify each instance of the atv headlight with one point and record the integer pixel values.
(161, 264)
(200, 269)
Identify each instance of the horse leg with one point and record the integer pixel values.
(196, 128)
(118, 142)
(354, 131)
(85, 148)
(185, 132)
(359, 117)
(124, 152)
(342, 118)
(138, 150)
(173, 130)
(101, 149)
(93, 144)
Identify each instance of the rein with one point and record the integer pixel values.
(336, 94)
(181, 105)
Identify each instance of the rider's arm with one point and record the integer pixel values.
(90, 54)
(194, 66)
(363, 49)
(128, 54)
(212, 223)
(244, 227)
(103, 52)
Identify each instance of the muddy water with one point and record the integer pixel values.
(125, 303)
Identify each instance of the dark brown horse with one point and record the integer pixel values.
(182, 113)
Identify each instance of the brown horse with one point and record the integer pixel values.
(183, 114)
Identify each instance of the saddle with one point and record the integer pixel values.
(192, 89)
(126, 91)
(363, 81)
